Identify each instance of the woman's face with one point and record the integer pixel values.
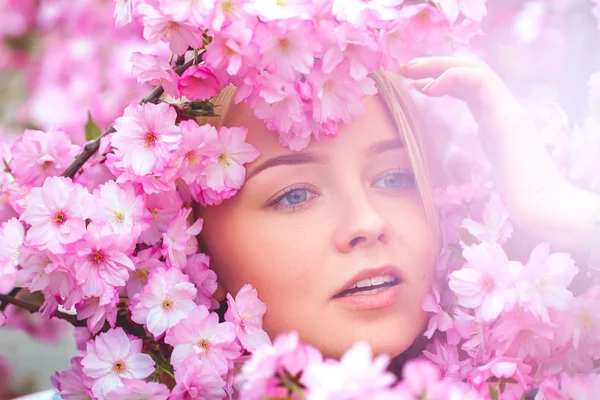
(308, 226)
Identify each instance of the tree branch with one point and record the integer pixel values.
(88, 151)
(91, 148)
(12, 293)
(33, 308)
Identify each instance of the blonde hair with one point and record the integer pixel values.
(394, 94)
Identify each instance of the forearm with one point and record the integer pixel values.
(571, 227)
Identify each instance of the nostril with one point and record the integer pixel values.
(356, 241)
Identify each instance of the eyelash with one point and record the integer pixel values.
(292, 207)
(408, 177)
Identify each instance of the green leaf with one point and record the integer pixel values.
(92, 131)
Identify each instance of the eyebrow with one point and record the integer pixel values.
(288, 159)
(385, 145)
(314, 158)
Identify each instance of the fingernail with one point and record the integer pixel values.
(428, 86)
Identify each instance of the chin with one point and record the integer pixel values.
(391, 341)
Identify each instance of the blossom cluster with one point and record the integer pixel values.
(64, 49)
(116, 244)
(302, 66)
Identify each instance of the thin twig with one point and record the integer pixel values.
(91, 148)
(88, 151)
(33, 308)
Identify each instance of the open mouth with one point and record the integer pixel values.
(369, 286)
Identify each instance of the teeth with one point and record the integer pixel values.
(366, 292)
(378, 280)
(363, 283)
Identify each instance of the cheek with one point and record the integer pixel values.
(279, 258)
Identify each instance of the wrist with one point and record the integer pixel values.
(571, 225)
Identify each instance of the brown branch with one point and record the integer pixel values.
(91, 148)
(88, 151)
(12, 293)
(33, 308)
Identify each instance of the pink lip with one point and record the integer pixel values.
(381, 299)
(376, 300)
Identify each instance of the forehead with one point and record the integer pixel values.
(374, 126)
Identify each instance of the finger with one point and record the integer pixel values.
(419, 84)
(433, 67)
(479, 88)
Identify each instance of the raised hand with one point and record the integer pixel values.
(539, 199)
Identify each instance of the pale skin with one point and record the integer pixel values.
(358, 210)
(362, 211)
(541, 202)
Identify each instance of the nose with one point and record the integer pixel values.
(361, 224)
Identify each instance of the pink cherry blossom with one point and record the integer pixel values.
(520, 334)
(440, 320)
(228, 172)
(57, 212)
(246, 312)
(112, 358)
(123, 209)
(140, 390)
(359, 13)
(512, 371)
(544, 281)
(199, 146)
(123, 12)
(192, 12)
(198, 83)
(161, 27)
(486, 282)
(288, 49)
(204, 278)
(201, 336)
(358, 374)
(230, 48)
(581, 386)
(72, 384)
(155, 70)
(261, 375)
(145, 262)
(582, 322)
(12, 234)
(337, 96)
(37, 155)
(269, 10)
(179, 240)
(446, 357)
(47, 272)
(494, 226)
(163, 208)
(96, 311)
(196, 381)
(472, 9)
(102, 260)
(145, 137)
(422, 379)
(151, 184)
(166, 299)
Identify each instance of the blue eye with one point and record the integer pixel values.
(395, 179)
(293, 198)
